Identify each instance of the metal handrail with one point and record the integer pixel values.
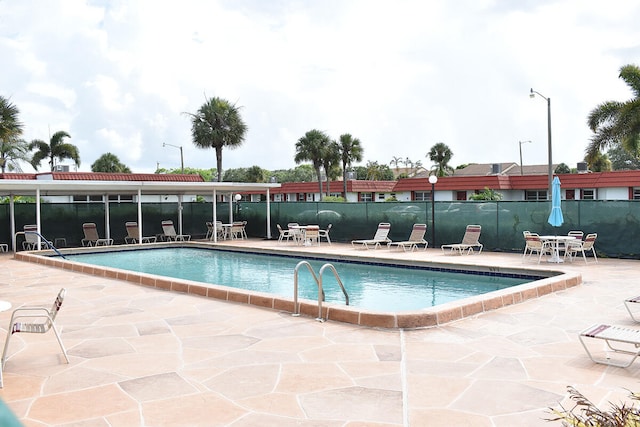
(47, 242)
(296, 306)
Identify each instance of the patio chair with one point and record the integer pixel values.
(237, 230)
(629, 303)
(210, 230)
(170, 232)
(30, 242)
(533, 244)
(91, 237)
(35, 320)
(582, 247)
(284, 234)
(325, 233)
(380, 237)
(469, 241)
(416, 238)
(133, 234)
(296, 231)
(311, 235)
(619, 341)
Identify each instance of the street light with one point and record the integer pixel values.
(164, 144)
(521, 142)
(432, 180)
(550, 165)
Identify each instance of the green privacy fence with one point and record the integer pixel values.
(616, 222)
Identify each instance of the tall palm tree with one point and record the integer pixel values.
(218, 124)
(311, 147)
(12, 151)
(10, 125)
(330, 162)
(616, 122)
(441, 155)
(55, 149)
(350, 151)
(395, 162)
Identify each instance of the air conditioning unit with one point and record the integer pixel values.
(61, 168)
(582, 167)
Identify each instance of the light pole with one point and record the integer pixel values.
(521, 142)
(164, 144)
(432, 180)
(550, 165)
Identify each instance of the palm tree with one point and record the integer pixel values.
(441, 155)
(350, 151)
(616, 122)
(255, 174)
(408, 163)
(395, 161)
(311, 147)
(330, 162)
(55, 149)
(218, 124)
(13, 150)
(109, 162)
(10, 125)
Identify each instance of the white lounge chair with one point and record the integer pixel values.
(133, 234)
(170, 232)
(284, 234)
(416, 238)
(325, 233)
(379, 238)
(618, 340)
(35, 320)
(629, 303)
(30, 242)
(91, 237)
(469, 241)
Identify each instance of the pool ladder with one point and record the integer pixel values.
(318, 280)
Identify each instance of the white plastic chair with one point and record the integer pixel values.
(325, 234)
(35, 320)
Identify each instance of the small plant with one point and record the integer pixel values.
(586, 414)
(333, 199)
(486, 194)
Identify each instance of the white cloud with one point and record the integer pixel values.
(400, 76)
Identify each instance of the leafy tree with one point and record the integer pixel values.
(206, 174)
(562, 168)
(55, 149)
(312, 147)
(486, 194)
(441, 155)
(350, 150)
(302, 173)
(218, 124)
(599, 163)
(373, 171)
(109, 162)
(615, 122)
(255, 174)
(235, 175)
(622, 159)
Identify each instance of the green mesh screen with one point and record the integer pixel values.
(616, 222)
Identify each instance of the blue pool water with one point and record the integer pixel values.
(370, 286)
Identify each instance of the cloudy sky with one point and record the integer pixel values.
(399, 75)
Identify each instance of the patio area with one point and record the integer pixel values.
(146, 357)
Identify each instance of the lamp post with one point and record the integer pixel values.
(521, 142)
(238, 197)
(550, 165)
(164, 144)
(432, 180)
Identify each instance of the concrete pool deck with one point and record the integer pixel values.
(144, 356)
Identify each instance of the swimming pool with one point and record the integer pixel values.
(369, 285)
(446, 312)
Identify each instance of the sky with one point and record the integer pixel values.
(400, 75)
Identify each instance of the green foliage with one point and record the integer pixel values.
(486, 194)
(55, 149)
(252, 174)
(109, 162)
(441, 155)
(599, 163)
(206, 174)
(217, 124)
(333, 199)
(391, 199)
(302, 173)
(622, 159)
(19, 199)
(586, 414)
(562, 168)
(314, 146)
(374, 171)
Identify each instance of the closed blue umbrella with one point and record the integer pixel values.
(555, 217)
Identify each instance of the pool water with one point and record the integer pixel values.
(369, 286)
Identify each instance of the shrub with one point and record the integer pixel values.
(586, 414)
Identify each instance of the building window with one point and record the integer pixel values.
(309, 197)
(636, 194)
(336, 194)
(366, 197)
(381, 196)
(301, 197)
(277, 197)
(422, 196)
(461, 195)
(533, 195)
(589, 194)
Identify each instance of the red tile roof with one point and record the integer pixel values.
(103, 176)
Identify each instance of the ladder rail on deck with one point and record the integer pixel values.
(47, 242)
(318, 280)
